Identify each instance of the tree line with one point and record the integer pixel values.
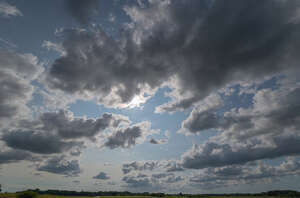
(275, 193)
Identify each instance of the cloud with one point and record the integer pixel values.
(154, 182)
(61, 132)
(142, 166)
(161, 141)
(55, 47)
(59, 165)
(102, 78)
(17, 71)
(82, 10)
(7, 10)
(173, 166)
(218, 155)
(11, 156)
(137, 182)
(246, 174)
(195, 53)
(139, 166)
(268, 129)
(129, 136)
(102, 176)
(41, 143)
(203, 117)
(67, 126)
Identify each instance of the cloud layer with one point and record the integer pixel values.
(200, 51)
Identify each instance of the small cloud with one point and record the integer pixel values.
(7, 10)
(102, 176)
(161, 141)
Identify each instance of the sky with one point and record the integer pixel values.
(150, 95)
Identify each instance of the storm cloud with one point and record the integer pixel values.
(201, 51)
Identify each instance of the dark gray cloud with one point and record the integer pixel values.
(11, 156)
(82, 10)
(155, 141)
(129, 136)
(59, 165)
(201, 51)
(247, 174)
(204, 117)
(69, 127)
(102, 176)
(41, 143)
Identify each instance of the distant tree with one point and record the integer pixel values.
(27, 194)
(0, 188)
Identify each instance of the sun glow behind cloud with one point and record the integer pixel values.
(136, 102)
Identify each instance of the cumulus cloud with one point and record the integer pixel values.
(268, 129)
(61, 166)
(144, 166)
(61, 132)
(57, 47)
(7, 10)
(17, 71)
(155, 141)
(203, 50)
(11, 156)
(217, 155)
(41, 143)
(102, 176)
(139, 166)
(156, 181)
(96, 73)
(67, 126)
(246, 174)
(203, 117)
(129, 136)
(138, 182)
(82, 10)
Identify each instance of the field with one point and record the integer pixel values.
(13, 195)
